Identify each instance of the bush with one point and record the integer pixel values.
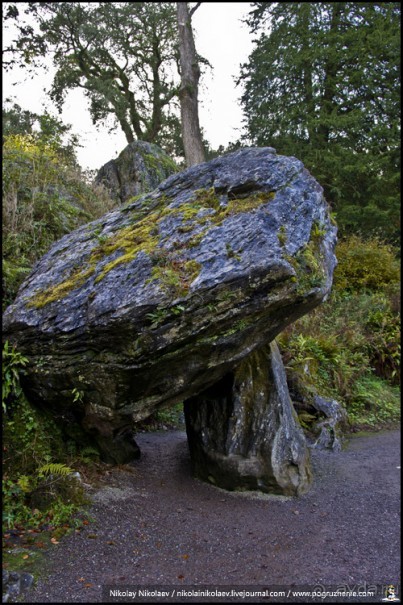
(45, 196)
(368, 264)
(348, 349)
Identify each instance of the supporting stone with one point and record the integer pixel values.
(243, 432)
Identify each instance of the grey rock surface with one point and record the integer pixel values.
(15, 583)
(140, 167)
(331, 428)
(244, 434)
(157, 301)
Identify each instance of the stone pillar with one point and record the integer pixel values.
(243, 432)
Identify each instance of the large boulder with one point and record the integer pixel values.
(139, 168)
(243, 432)
(159, 300)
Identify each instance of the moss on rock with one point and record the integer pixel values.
(142, 235)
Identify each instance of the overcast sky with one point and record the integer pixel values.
(220, 37)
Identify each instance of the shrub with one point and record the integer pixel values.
(368, 264)
(45, 196)
(348, 349)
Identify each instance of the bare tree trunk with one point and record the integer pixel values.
(190, 74)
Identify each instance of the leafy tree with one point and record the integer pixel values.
(16, 120)
(323, 84)
(190, 75)
(122, 54)
(44, 128)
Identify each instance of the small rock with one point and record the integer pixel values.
(26, 580)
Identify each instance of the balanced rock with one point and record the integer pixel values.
(159, 300)
(140, 167)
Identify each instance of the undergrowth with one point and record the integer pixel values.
(348, 348)
(43, 494)
(164, 419)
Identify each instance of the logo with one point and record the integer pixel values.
(390, 594)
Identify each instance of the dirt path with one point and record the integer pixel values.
(160, 527)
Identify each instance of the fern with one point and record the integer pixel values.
(54, 468)
(24, 483)
(89, 451)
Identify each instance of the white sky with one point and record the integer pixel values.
(220, 37)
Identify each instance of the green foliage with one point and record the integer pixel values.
(374, 402)
(54, 468)
(31, 437)
(44, 129)
(383, 327)
(171, 417)
(368, 264)
(77, 395)
(340, 63)
(349, 349)
(89, 454)
(13, 361)
(45, 196)
(32, 440)
(160, 315)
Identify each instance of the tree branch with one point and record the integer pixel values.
(194, 9)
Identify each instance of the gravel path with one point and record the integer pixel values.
(160, 527)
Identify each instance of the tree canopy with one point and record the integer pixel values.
(323, 84)
(122, 54)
